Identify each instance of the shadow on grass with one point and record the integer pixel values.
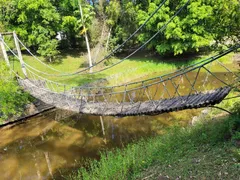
(74, 53)
(178, 61)
(88, 80)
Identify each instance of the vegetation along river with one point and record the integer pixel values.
(55, 143)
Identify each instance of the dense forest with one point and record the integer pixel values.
(50, 26)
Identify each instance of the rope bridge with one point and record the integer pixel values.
(187, 88)
(194, 86)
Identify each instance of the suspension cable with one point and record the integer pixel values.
(213, 58)
(201, 63)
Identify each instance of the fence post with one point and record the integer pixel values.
(19, 54)
(4, 50)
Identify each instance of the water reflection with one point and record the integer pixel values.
(52, 145)
(43, 148)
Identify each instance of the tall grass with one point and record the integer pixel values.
(163, 150)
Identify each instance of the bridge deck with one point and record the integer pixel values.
(155, 107)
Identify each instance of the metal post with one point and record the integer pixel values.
(4, 50)
(19, 54)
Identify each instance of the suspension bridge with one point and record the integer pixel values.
(179, 90)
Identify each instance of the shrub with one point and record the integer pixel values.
(12, 98)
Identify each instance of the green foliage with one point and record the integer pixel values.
(88, 16)
(127, 25)
(236, 108)
(95, 31)
(12, 99)
(71, 23)
(49, 49)
(113, 12)
(202, 24)
(36, 22)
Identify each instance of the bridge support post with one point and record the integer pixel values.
(4, 50)
(19, 54)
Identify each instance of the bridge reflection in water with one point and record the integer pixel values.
(56, 143)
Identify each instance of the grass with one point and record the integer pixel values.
(206, 151)
(127, 71)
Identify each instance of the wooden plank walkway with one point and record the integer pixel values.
(155, 107)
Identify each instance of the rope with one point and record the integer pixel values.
(149, 40)
(148, 85)
(31, 71)
(181, 71)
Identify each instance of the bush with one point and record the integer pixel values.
(12, 98)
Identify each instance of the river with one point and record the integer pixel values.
(56, 143)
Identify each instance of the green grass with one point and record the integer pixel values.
(127, 71)
(204, 151)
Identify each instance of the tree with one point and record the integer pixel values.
(36, 22)
(226, 25)
(84, 31)
(49, 49)
(202, 24)
(113, 12)
(127, 24)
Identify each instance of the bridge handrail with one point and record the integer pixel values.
(207, 60)
(148, 85)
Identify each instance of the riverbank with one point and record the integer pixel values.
(127, 71)
(30, 110)
(208, 150)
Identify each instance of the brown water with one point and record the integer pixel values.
(54, 144)
(44, 146)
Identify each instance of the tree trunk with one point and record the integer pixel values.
(99, 44)
(109, 35)
(89, 52)
(86, 38)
